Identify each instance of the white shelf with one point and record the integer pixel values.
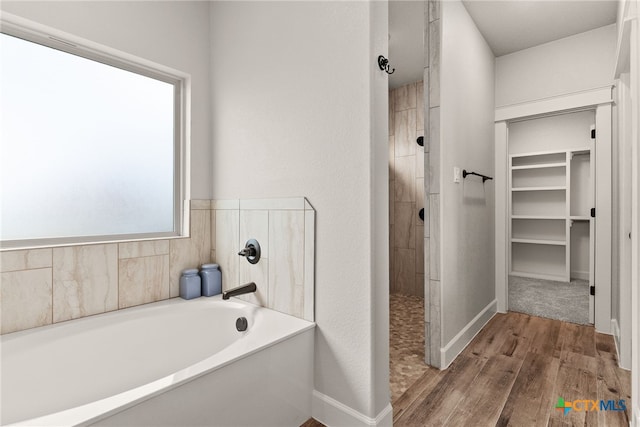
(540, 242)
(580, 218)
(542, 158)
(540, 166)
(537, 217)
(585, 150)
(539, 153)
(554, 188)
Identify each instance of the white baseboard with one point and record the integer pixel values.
(332, 413)
(582, 275)
(449, 352)
(615, 330)
(623, 360)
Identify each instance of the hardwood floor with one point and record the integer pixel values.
(513, 373)
(311, 422)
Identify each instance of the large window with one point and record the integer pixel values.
(90, 145)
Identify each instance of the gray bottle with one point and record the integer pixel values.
(211, 280)
(190, 284)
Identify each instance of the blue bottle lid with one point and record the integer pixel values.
(190, 272)
(210, 266)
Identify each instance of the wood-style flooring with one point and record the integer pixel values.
(513, 373)
(311, 422)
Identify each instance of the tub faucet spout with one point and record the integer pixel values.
(244, 289)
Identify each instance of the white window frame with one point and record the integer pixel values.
(50, 37)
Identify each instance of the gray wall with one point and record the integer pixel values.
(467, 138)
(571, 64)
(299, 109)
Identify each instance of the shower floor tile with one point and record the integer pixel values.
(406, 342)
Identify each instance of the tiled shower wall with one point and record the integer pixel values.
(406, 189)
(284, 229)
(49, 285)
(432, 162)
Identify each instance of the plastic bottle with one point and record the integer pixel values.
(190, 284)
(211, 280)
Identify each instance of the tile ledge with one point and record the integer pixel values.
(101, 242)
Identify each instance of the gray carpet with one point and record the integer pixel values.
(550, 299)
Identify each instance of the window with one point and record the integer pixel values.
(91, 145)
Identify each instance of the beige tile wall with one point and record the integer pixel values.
(406, 189)
(432, 201)
(285, 229)
(43, 286)
(192, 252)
(85, 281)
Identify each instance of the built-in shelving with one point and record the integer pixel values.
(537, 217)
(539, 166)
(538, 158)
(549, 192)
(539, 188)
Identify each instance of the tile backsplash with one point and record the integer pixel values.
(85, 281)
(406, 189)
(49, 285)
(285, 229)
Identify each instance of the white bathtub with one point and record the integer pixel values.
(174, 362)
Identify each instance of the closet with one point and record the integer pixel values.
(551, 197)
(550, 172)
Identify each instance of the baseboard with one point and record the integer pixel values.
(615, 330)
(332, 413)
(449, 352)
(582, 275)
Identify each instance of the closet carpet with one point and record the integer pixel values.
(547, 298)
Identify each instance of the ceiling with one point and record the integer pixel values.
(512, 25)
(507, 25)
(406, 52)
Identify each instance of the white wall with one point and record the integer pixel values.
(622, 265)
(467, 209)
(291, 98)
(299, 109)
(634, 88)
(575, 63)
(171, 33)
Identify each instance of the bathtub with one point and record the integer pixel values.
(174, 362)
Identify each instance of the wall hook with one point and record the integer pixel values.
(383, 63)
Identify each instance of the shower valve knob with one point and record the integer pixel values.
(251, 251)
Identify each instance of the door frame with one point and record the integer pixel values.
(600, 100)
